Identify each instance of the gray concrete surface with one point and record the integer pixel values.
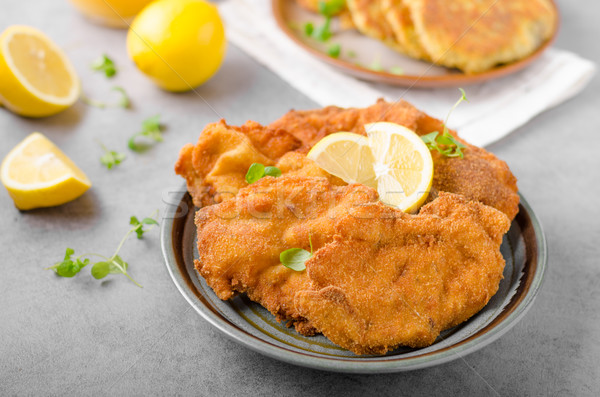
(83, 337)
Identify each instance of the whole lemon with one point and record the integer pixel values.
(113, 13)
(179, 44)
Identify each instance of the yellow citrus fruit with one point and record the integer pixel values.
(179, 44)
(391, 158)
(36, 78)
(113, 13)
(36, 173)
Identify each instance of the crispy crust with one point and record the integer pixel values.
(475, 36)
(215, 167)
(373, 267)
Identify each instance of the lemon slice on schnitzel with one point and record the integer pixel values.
(391, 158)
(36, 173)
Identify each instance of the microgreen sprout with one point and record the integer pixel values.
(328, 9)
(334, 50)
(110, 158)
(258, 170)
(71, 266)
(445, 143)
(104, 64)
(151, 129)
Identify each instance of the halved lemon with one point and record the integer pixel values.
(391, 158)
(36, 77)
(36, 173)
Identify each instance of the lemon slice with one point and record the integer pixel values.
(391, 158)
(36, 78)
(36, 173)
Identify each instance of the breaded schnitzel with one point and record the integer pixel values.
(263, 220)
(379, 278)
(404, 279)
(217, 164)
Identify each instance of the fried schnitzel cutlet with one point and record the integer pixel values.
(404, 279)
(379, 277)
(263, 220)
(474, 36)
(216, 166)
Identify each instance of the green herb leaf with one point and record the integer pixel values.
(106, 65)
(139, 226)
(69, 267)
(295, 258)
(446, 144)
(272, 171)
(100, 270)
(309, 28)
(323, 32)
(396, 70)
(111, 158)
(334, 51)
(330, 8)
(151, 129)
(124, 102)
(430, 138)
(118, 266)
(352, 54)
(255, 172)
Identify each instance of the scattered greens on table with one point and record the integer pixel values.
(123, 101)
(258, 170)
(445, 143)
(111, 158)
(70, 266)
(151, 129)
(105, 64)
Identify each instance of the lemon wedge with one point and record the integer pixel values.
(36, 77)
(391, 158)
(36, 173)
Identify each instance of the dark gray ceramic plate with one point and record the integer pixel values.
(523, 248)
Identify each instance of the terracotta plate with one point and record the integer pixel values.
(360, 54)
(524, 249)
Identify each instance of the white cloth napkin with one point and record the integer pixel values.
(495, 108)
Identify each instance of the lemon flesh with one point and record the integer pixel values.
(36, 77)
(36, 173)
(391, 158)
(179, 44)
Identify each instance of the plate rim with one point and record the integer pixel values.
(421, 81)
(493, 331)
